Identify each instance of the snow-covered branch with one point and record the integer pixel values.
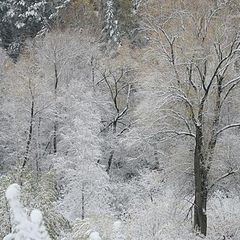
(232, 172)
(228, 127)
(233, 81)
(175, 132)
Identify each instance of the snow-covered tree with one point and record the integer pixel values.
(202, 80)
(65, 62)
(136, 4)
(136, 145)
(23, 19)
(119, 21)
(116, 86)
(111, 31)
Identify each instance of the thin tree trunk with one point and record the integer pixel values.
(83, 202)
(93, 73)
(55, 120)
(30, 131)
(110, 161)
(38, 146)
(55, 137)
(114, 126)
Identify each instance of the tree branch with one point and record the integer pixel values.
(223, 177)
(178, 133)
(235, 80)
(228, 127)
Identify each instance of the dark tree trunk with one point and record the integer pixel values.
(55, 121)
(200, 172)
(83, 202)
(110, 161)
(38, 146)
(114, 126)
(55, 137)
(93, 73)
(30, 131)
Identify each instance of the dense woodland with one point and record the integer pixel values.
(120, 119)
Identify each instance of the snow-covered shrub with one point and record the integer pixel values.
(117, 231)
(24, 227)
(37, 193)
(42, 193)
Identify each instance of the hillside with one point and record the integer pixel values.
(119, 119)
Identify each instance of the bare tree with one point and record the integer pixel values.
(119, 90)
(203, 81)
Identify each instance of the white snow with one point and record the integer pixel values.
(13, 192)
(20, 25)
(36, 216)
(22, 2)
(94, 236)
(10, 13)
(117, 231)
(117, 225)
(23, 226)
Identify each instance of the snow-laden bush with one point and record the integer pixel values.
(24, 227)
(36, 193)
(117, 231)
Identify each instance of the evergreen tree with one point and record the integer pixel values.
(111, 32)
(119, 20)
(23, 19)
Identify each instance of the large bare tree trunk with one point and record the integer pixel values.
(200, 171)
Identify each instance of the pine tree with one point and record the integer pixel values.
(111, 31)
(119, 21)
(25, 18)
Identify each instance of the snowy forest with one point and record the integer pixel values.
(119, 119)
